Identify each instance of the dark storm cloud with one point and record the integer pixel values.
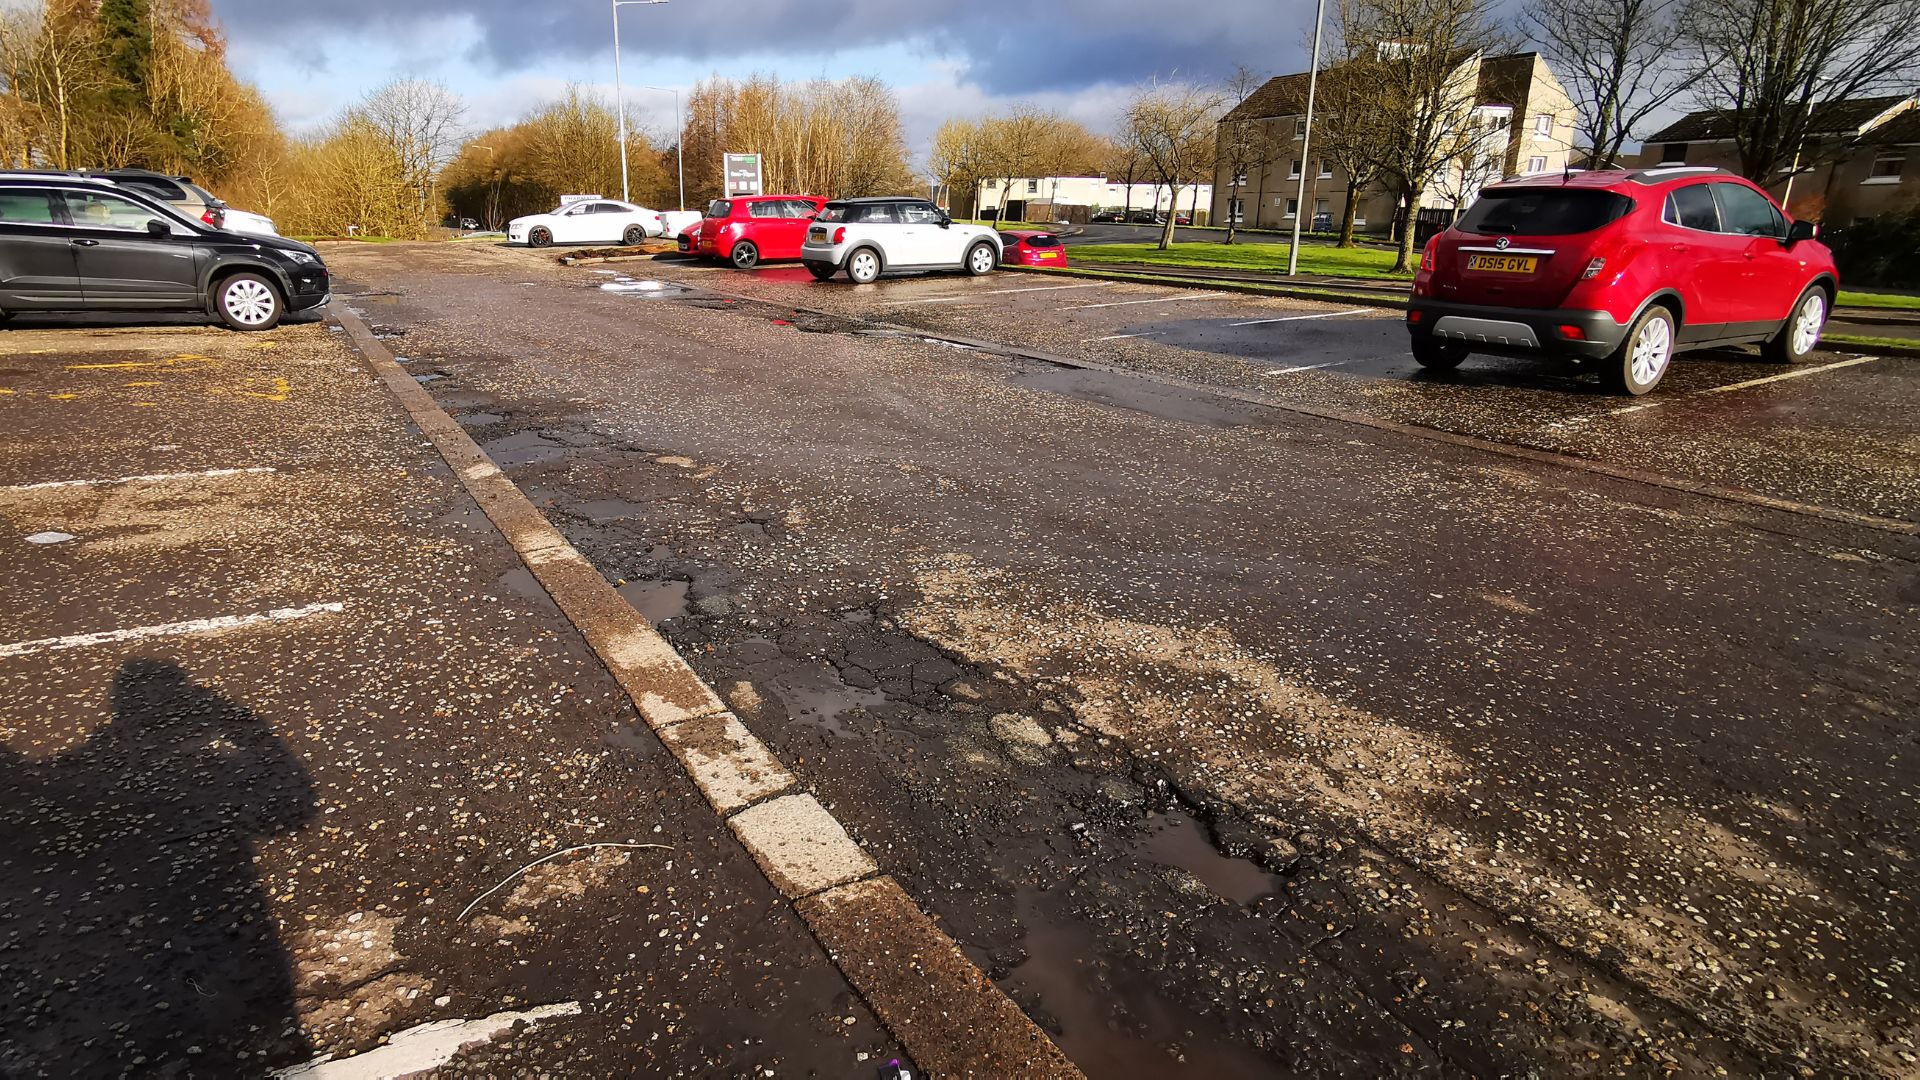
(1006, 47)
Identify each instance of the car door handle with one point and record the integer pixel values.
(86, 243)
(1681, 249)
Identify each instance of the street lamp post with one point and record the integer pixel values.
(619, 93)
(1306, 143)
(679, 140)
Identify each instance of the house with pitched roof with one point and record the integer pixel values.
(1861, 158)
(1519, 120)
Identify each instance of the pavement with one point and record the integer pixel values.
(1241, 699)
(278, 704)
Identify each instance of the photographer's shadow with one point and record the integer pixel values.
(135, 933)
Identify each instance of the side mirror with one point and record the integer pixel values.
(1801, 230)
(156, 227)
(946, 219)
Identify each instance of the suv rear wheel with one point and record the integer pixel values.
(1800, 335)
(1641, 361)
(1435, 355)
(248, 302)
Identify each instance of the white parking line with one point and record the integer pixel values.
(140, 633)
(1794, 374)
(1298, 318)
(1155, 300)
(151, 478)
(1306, 367)
(1003, 292)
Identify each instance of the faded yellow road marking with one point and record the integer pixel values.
(140, 365)
(63, 397)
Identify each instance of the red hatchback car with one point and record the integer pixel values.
(1026, 248)
(1621, 269)
(749, 229)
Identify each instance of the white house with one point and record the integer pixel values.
(1055, 198)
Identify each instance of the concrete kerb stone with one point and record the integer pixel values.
(950, 1017)
(800, 846)
(920, 981)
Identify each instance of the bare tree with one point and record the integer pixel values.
(1125, 163)
(1244, 144)
(1769, 62)
(1617, 59)
(420, 120)
(1172, 125)
(1349, 138)
(1415, 62)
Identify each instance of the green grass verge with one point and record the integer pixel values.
(1890, 301)
(1370, 263)
(1895, 346)
(1046, 226)
(1298, 292)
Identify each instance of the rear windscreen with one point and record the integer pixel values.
(719, 208)
(1543, 212)
(1043, 241)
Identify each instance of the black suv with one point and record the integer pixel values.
(73, 243)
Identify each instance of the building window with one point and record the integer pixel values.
(1033, 186)
(1293, 171)
(1887, 168)
(1674, 153)
(1543, 125)
(1236, 210)
(1293, 207)
(1501, 120)
(1300, 128)
(1321, 206)
(1240, 178)
(993, 183)
(1536, 165)
(1326, 170)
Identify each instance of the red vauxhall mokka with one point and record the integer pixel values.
(748, 229)
(1621, 269)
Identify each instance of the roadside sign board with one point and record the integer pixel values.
(743, 174)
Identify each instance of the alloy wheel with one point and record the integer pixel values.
(249, 302)
(1806, 327)
(1652, 348)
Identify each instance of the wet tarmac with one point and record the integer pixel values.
(1240, 739)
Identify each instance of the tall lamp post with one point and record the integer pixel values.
(619, 93)
(1306, 143)
(679, 140)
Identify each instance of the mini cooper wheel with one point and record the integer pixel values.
(863, 266)
(634, 236)
(1436, 355)
(1800, 334)
(1641, 361)
(821, 273)
(745, 256)
(981, 259)
(539, 238)
(248, 302)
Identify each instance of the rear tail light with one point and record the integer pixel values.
(1426, 257)
(1413, 316)
(1593, 270)
(214, 216)
(1572, 332)
(839, 236)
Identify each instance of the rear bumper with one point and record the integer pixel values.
(1585, 335)
(823, 255)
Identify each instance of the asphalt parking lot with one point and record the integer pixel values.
(277, 703)
(1241, 699)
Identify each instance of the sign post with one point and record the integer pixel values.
(743, 174)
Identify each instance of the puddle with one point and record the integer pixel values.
(1179, 841)
(657, 600)
(480, 419)
(827, 702)
(1142, 395)
(521, 582)
(643, 288)
(425, 379)
(601, 511)
(1094, 1013)
(525, 448)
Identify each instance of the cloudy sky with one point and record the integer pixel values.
(944, 57)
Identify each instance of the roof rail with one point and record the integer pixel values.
(1668, 172)
(53, 174)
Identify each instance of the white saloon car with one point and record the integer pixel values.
(590, 221)
(869, 237)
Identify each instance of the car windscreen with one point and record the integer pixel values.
(1044, 240)
(205, 196)
(1543, 212)
(835, 211)
(719, 208)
